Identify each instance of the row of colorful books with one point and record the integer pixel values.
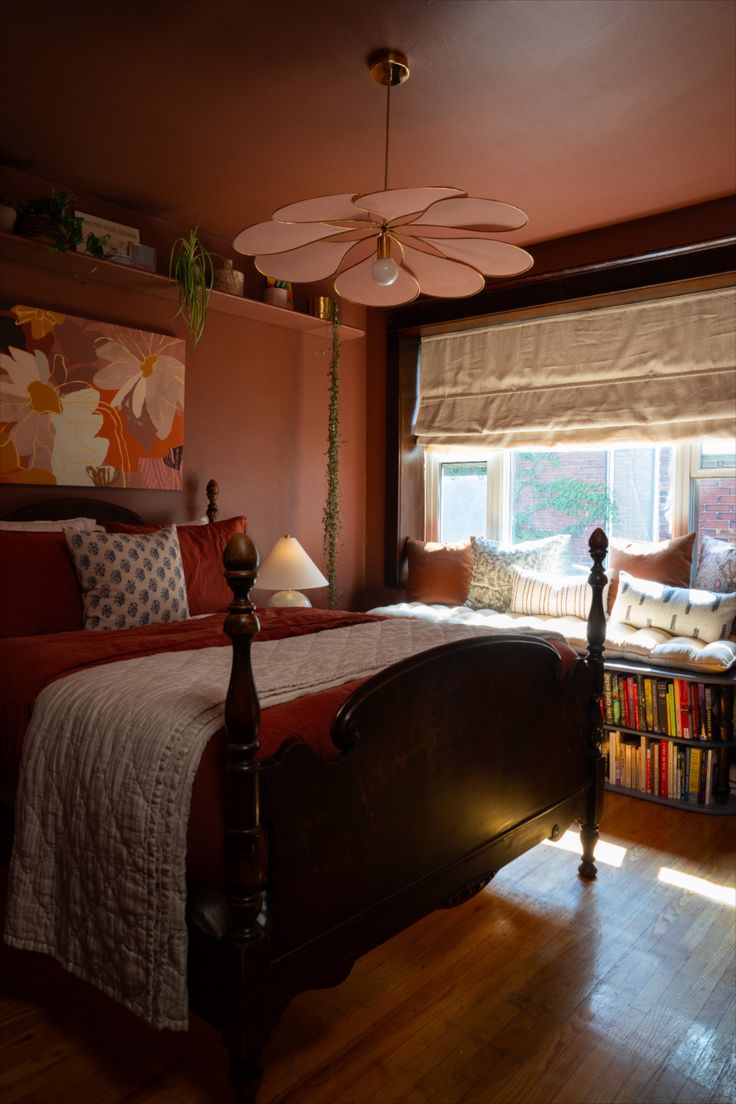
(662, 768)
(673, 707)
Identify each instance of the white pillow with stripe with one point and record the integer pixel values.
(537, 592)
(680, 611)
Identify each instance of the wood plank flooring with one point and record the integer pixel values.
(542, 990)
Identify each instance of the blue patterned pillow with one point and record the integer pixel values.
(129, 580)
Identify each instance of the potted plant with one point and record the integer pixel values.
(192, 266)
(51, 218)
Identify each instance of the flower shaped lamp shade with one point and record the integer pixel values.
(385, 248)
(287, 568)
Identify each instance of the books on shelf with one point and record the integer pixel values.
(674, 707)
(661, 768)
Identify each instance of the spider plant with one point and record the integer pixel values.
(192, 266)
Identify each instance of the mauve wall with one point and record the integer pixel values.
(255, 410)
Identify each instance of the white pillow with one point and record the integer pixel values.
(546, 595)
(700, 614)
(129, 579)
(49, 526)
(493, 579)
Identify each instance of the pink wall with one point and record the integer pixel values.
(255, 410)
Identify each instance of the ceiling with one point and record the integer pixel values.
(581, 112)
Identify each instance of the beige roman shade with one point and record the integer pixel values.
(658, 370)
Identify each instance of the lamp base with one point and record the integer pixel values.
(288, 598)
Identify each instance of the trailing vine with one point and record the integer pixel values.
(331, 523)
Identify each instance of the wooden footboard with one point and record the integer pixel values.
(454, 762)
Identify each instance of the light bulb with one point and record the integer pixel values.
(385, 271)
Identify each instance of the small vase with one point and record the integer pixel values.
(228, 279)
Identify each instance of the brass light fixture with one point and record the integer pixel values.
(386, 248)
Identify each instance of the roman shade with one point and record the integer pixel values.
(659, 370)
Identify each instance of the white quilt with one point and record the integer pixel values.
(98, 873)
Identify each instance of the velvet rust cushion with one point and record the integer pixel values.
(202, 547)
(680, 611)
(39, 592)
(438, 573)
(667, 561)
(128, 580)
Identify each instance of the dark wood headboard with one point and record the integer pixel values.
(60, 509)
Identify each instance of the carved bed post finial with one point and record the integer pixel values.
(598, 545)
(244, 855)
(213, 490)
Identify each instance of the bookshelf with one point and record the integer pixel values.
(669, 735)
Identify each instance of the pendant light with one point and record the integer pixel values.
(386, 248)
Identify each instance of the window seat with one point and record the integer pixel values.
(623, 642)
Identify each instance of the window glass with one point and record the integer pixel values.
(718, 454)
(714, 507)
(463, 495)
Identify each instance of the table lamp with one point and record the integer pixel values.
(287, 567)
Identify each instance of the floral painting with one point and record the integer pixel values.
(86, 403)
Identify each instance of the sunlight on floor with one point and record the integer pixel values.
(608, 853)
(725, 895)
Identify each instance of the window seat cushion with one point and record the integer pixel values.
(647, 645)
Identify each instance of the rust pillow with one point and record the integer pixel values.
(39, 592)
(668, 562)
(201, 547)
(438, 572)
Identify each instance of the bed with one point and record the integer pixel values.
(370, 802)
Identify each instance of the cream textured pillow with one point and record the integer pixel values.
(535, 592)
(129, 580)
(493, 577)
(700, 614)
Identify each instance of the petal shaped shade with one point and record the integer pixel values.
(398, 202)
(315, 261)
(492, 258)
(440, 277)
(358, 286)
(331, 208)
(278, 237)
(485, 214)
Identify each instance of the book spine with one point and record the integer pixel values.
(671, 711)
(696, 756)
(661, 706)
(616, 689)
(643, 764)
(663, 761)
(709, 777)
(695, 709)
(686, 779)
(709, 712)
(685, 720)
(648, 705)
(649, 777)
(608, 697)
(641, 704)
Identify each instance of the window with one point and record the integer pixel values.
(644, 493)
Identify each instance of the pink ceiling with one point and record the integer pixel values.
(581, 112)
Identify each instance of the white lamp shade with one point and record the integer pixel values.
(288, 567)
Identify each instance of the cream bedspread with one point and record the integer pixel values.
(98, 873)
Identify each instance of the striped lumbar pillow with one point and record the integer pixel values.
(536, 592)
(700, 614)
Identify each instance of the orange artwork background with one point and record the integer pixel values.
(86, 403)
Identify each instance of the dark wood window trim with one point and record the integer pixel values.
(404, 462)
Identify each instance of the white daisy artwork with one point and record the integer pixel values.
(87, 403)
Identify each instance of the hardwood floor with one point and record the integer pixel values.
(542, 990)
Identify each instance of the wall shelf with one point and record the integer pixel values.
(90, 269)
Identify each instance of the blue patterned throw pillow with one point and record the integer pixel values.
(129, 580)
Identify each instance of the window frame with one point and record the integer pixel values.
(686, 468)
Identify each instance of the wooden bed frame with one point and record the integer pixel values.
(454, 762)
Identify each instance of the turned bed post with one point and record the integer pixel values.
(246, 938)
(213, 490)
(598, 545)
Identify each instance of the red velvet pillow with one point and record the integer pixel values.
(39, 592)
(202, 547)
(438, 572)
